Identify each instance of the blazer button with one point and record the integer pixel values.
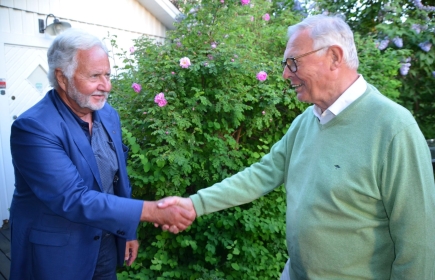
(96, 237)
(118, 232)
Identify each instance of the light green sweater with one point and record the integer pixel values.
(360, 193)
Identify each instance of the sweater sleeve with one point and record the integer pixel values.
(245, 186)
(409, 197)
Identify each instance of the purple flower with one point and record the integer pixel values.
(383, 44)
(266, 17)
(185, 62)
(160, 99)
(261, 76)
(433, 74)
(264, 112)
(222, 1)
(173, 73)
(132, 50)
(210, 56)
(136, 87)
(252, 18)
(297, 6)
(179, 44)
(245, 2)
(232, 59)
(416, 27)
(398, 42)
(213, 45)
(404, 68)
(425, 46)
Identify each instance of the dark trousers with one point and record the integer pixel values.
(106, 264)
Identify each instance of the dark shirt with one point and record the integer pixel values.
(104, 151)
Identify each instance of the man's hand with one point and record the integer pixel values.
(185, 203)
(131, 248)
(173, 213)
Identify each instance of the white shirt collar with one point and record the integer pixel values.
(350, 95)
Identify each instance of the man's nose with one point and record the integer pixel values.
(105, 84)
(286, 73)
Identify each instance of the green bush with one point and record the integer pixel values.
(219, 118)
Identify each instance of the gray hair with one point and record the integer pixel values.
(62, 53)
(327, 31)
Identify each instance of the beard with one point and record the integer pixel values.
(84, 100)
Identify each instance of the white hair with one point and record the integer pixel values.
(63, 52)
(327, 31)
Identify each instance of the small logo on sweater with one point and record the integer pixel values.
(337, 166)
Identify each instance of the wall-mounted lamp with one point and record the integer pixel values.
(55, 28)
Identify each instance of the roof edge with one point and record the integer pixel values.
(163, 10)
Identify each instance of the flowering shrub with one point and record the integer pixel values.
(211, 118)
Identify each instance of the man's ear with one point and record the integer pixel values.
(336, 56)
(61, 79)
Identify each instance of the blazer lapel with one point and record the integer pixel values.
(78, 136)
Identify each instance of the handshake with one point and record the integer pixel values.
(171, 213)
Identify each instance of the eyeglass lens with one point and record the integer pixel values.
(290, 63)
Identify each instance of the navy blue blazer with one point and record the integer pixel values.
(58, 210)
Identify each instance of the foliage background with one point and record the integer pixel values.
(218, 120)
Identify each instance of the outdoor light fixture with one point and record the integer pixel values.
(55, 28)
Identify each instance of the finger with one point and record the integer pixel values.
(127, 252)
(174, 229)
(133, 254)
(167, 201)
(131, 248)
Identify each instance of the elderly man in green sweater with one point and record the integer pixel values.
(357, 170)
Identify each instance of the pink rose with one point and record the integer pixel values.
(266, 17)
(160, 99)
(136, 87)
(132, 50)
(185, 62)
(261, 76)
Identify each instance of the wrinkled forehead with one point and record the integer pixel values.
(299, 42)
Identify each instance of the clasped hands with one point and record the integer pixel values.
(171, 213)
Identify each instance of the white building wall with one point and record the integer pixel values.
(19, 36)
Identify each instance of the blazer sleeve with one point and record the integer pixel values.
(49, 165)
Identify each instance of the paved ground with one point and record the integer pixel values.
(5, 251)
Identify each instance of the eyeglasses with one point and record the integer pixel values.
(291, 61)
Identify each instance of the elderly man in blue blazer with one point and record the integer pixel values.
(71, 215)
